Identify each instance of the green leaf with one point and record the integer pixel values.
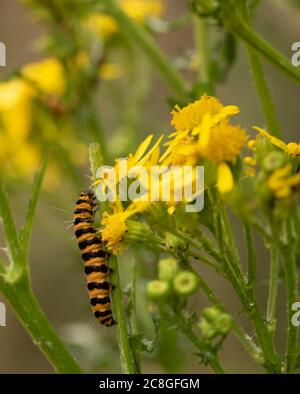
(25, 233)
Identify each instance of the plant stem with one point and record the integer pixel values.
(289, 266)
(251, 255)
(246, 296)
(273, 284)
(148, 45)
(126, 351)
(204, 53)
(233, 18)
(133, 319)
(252, 349)
(29, 312)
(262, 87)
(186, 329)
(263, 92)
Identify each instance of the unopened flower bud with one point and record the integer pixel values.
(204, 7)
(214, 322)
(175, 243)
(158, 291)
(185, 283)
(273, 161)
(167, 269)
(139, 232)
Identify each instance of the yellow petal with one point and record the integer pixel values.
(275, 141)
(224, 178)
(148, 155)
(293, 148)
(142, 148)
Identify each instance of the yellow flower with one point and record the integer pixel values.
(101, 25)
(110, 71)
(185, 153)
(292, 148)
(15, 108)
(47, 75)
(191, 116)
(140, 10)
(224, 143)
(282, 183)
(114, 226)
(206, 119)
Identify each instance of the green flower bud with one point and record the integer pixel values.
(223, 324)
(158, 291)
(211, 314)
(214, 322)
(167, 269)
(185, 283)
(263, 148)
(207, 329)
(139, 232)
(273, 161)
(204, 7)
(175, 243)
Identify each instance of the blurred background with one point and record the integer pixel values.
(55, 263)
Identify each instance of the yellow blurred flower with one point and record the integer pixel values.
(15, 108)
(140, 10)
(47, 75)
(101, 25)
(282, 182)
(110, 71)
(292, 148)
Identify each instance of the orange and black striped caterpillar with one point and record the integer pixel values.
(94, 258)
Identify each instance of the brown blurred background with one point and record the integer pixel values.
(55, 264)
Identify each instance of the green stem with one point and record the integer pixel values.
(252, 349)
(126, 350)
(289, 265)
(133, 318)
(29, 312)
(186, 329)
(246, 296)
(233, 18)
(273, 284)
(251, 255)
(148, 45)
(264, 93)
(204, 53)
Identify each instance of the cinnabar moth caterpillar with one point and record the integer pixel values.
(94, 258)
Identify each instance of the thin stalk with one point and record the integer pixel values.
(289, 266)
(126, 350)
(133, 318)
(251, 255)
(252, 349)
(29, 312)
(155, 55)
(264, 93)
(202, 41)
(272, 360)
(234, 19)
(262, 87)
(186, 329)
(273, 284)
